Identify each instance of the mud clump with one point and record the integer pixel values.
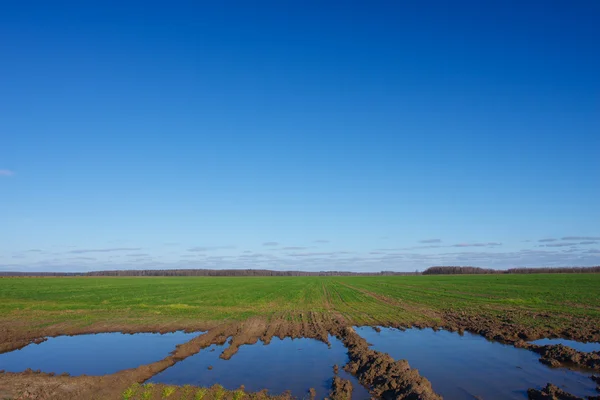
(552, 392)
(386, 378)
(559, 355)
(509, 329)
(341, 389)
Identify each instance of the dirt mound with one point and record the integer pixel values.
(552, 392)
(311, 325)
(341, 389)
(508, 329)
(562, 356)
(387, 378)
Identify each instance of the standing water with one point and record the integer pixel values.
(296, 365)
(469, 366)
(96, 354)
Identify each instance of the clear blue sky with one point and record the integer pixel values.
(309, 135)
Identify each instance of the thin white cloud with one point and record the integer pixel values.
(430, 241)
(581, 238)
(107, 250)
(6, 172)
(488, 244)
(209, 248)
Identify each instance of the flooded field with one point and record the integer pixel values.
(289, 364)
(469, 366)
(96, 354)
(587, 347)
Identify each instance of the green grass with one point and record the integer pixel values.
(363, 300)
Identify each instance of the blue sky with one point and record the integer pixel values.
(299, 135)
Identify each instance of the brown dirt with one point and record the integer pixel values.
(507, 329)
(312, 325)
(387, 379)
(552, 392)
(46, 387)
(341, 389)
(562, 356)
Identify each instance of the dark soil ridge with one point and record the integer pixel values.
(559, 355)
(508, 330)
(386, 378)
(552, 392)
(341, 389)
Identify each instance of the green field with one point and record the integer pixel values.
(89, 301)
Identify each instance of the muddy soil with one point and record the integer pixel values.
(552, 392)
(507, 330)
(341, 389)
(562, 356)
(311, 325)
(42, 386)
(386, 378)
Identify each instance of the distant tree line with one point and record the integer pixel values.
(476, 270)
(236, 272)
(441, 270)
(458, 270)
(554, 270)
(207, 272)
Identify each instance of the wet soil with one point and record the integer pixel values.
(562, 356)
(32, 385)
(552, 392)
(506, 329)
(579, 346)
(387, 378)
(341, 389)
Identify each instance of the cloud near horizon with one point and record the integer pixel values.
(107, 250)
(488, 244)
(209, 248)
(430, 241)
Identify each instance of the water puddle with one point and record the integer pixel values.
(580, 346)
(96, 354)
(466, 366)
(295, 365)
